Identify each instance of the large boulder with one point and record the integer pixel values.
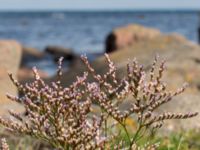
(9, 62)
(183, 65)
(128, 35)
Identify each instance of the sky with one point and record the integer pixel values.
(98, 4)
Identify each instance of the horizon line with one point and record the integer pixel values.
(99, 10)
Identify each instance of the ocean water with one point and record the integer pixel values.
(85, 32)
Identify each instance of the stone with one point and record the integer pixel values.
(58, 52)
(10, 58)
(128, 35)
(30, 54)
(10, 55)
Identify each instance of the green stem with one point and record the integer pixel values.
(125, 129)
(142, 134)
(140, 126)
(136, 134)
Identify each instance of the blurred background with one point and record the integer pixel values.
(38, 32)
(82, 26)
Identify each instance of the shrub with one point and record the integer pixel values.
(64, 117)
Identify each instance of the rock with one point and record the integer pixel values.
(30, 54)
(58, 52)
(128, 35)
(26, 74)
(183, 65)
(10, 57)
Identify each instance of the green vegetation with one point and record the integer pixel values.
(181, 141)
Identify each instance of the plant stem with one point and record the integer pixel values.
(125, 129)
(137, 133)
(142, 134)
(179, 144)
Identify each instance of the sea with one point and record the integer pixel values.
(85, 32)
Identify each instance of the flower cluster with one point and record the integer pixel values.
(56, 114)
(4, 145)
(147, 91)
(63, 116)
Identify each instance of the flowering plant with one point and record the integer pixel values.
(64, 117)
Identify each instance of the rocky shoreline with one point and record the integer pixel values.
(133, 41)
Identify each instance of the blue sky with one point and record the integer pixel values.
(97, 4)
